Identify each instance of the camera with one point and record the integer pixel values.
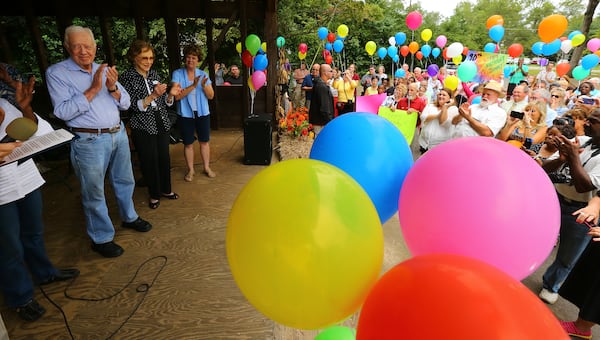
(527, 143)
(517, 114)
(559, 178)
(588, 101)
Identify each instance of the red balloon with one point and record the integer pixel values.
(328, 59)
(562, 69)
(404, 50)
(444, 53)
(331, 37)
(419, 55)
(465, 50)
(515, 50)
(247, 58)
(478, 300)
(302, 48)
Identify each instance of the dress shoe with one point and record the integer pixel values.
(30, 311)
(61, 275)
(108, 249)
(138, 225)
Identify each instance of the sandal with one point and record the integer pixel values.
(171, 196)
(154, 205)
(189, 176)
(210, 173)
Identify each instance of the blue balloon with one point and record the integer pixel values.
(341, 38)
(590, 61)
(507, 70)
(382, 52)
(260, 62)
(328, 46)
(476, 100)
(551, 47)
(496, 32)
(392, 51)
(371, 150)
(338, 46)
(537, 48)
(396, 58)
(572, 34)
(400, 38)
(400, 73)
(436, 52)
(489, 47)
(322, 32)
(426, 50)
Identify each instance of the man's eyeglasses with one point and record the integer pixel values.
(563, 121)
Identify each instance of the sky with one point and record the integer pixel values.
(444, 7)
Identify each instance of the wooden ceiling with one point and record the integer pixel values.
(140, 8)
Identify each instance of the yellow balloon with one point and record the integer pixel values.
(238, 47)
(342, 30)
(451, 82)
(426, 34)
(413, 47)
(301, 55)
(309, 260)
(250, 85)
(577, 39)
(263, 46)
(370, 47)
(457, 60)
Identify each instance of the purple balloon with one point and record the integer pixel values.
(543, 61)
(432, 70)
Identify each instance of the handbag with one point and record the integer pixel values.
(340, 105)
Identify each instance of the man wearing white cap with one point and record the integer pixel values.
(483, 119)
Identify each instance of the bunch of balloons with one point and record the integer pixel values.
(495, 26)
(254, 56)
(302, 49)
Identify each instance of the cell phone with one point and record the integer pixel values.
(527, 143)
(517, 114)
(588, 101)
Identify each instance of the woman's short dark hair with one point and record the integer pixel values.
(567, 130)
(192, 50)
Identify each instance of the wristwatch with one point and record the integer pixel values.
(113, 90)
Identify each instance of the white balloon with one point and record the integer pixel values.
(566, 45)
(454, 50)
(392, 41)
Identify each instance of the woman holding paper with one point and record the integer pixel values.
(23, 257)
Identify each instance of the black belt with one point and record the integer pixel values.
(113, 129)
(571, 202)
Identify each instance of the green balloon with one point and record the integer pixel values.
(466, 71)
(280, 42)
(252, 44)
(337, 333)
(580, 73)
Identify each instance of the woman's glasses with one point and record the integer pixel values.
(555, 96)
(563, 121)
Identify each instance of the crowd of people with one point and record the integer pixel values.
(555, 122)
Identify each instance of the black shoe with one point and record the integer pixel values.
(31, 311)
(61, 275)
(138, 225)
(108, 249)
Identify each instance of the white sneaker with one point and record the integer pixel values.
(547, 296)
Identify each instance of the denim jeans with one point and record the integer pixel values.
(22, 249)
(93, 157)
(574, 239)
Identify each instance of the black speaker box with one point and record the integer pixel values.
(258, 132)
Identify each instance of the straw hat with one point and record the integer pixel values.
(495, 86)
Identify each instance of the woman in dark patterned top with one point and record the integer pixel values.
(149, 121)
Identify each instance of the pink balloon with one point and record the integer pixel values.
(258, 79)
(593, 44)
(483, 198)
(441, 41)
(414, 20)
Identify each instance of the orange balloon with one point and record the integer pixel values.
(551, 27)
(597, 53)
(465, 50)
(494, 20)
(406, 299)
(419, 55)
(515, 143)
(413, 47)
(562, 69)
(404, 50)
(444, 54)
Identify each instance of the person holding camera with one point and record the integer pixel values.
(517, 74)
(150, 123)
(220, 72)
(526, 127)
(576, 178)
(346, 88)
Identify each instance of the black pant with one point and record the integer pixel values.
(348, 107)
(155, 161)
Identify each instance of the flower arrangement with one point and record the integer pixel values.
(295, 124)
(296, 135)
